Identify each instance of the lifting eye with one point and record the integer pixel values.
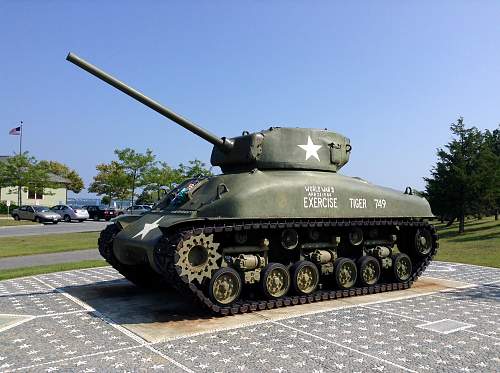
(409, 191)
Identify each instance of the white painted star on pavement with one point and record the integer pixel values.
(147, 228)
(311, 149)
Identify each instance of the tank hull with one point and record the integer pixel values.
(266, 195)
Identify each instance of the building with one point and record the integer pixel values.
(49, 197)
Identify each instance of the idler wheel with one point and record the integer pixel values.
(345, 273)
(369, 270)
(225, 286)
(305, 277)
(401, 267)
(275, 280)
(423, 242)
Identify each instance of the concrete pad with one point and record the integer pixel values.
(162, 315)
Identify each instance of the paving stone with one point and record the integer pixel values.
(25, 285)
(37, 303)
(485, 317)
(80, 277)
(134, 359)
(269, 347)
(463, 272)
(59, 332)
(59, 337)
(399, 340)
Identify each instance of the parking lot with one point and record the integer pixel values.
(94, 320)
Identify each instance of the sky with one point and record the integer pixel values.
(390, 75)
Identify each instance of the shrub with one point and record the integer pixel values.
(3, 207)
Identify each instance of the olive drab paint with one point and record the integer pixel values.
(281, 173)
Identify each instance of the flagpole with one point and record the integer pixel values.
(19, 187)
(21, 140)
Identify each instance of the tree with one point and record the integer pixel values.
(490, 171)
(160, 177)
(459, 184)
(195, 168)
(135, 164)
(23, 171)
(111, 181)
(106, 200)
(56, 168)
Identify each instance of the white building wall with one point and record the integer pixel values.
(50, 198)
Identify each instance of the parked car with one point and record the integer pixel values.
(136, 210)
(101, 212)
(69, 213)
(41, 214)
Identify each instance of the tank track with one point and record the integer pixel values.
(166, 250)
(140, 275)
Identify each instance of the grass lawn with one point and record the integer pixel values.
(29, 271)
(49, 243)
(12, 222)
(480, 244)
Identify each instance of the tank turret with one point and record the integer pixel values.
(275, 148)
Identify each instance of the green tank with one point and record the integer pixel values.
(279, 227)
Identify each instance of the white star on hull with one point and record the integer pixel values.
(147, 228)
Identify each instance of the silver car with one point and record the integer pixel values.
(136, 210)
(69, 213)
(41, 214)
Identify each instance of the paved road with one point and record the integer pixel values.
(52, 258)
(93, 320)
(31, 230)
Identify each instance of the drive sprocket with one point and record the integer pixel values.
(197, 257)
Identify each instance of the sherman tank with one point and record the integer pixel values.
(279, 227)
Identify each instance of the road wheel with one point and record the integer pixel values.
(417, 243)
(16, 217)
(345, 273)
(81, 220)
(225, 286)
(401, 267)
(369, 270)
(67, 218)
(305, 277)
(37, 219)
(275, 280)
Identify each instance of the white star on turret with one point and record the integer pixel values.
(147, 228)
(311, 149)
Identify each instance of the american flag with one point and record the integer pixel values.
(15, 131)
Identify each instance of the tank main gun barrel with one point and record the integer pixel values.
(221, 143)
